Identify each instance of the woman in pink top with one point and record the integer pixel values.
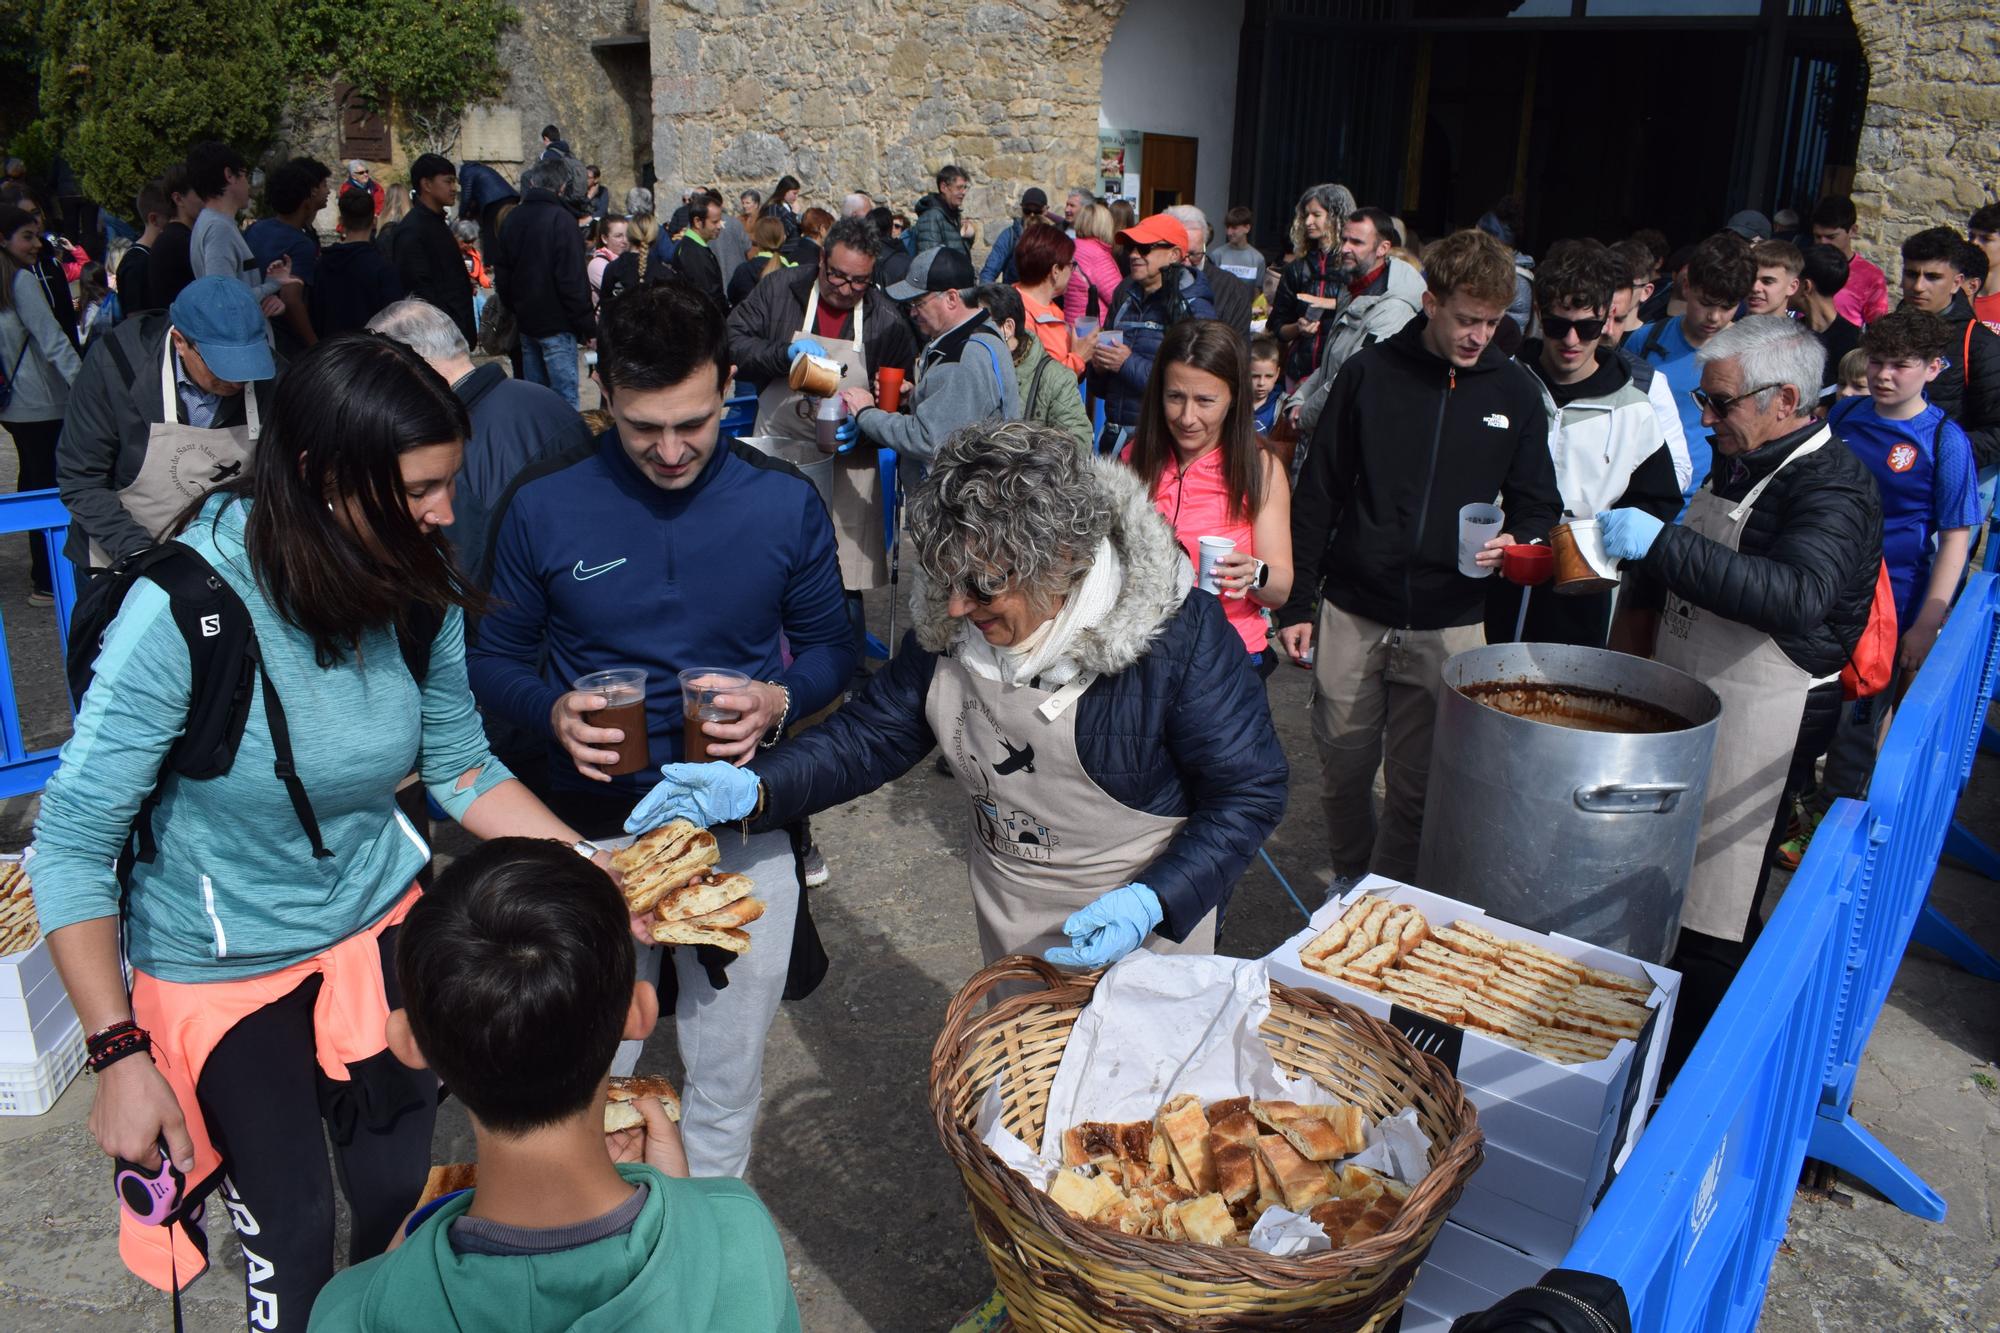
(1196, 448)
(1096, 267)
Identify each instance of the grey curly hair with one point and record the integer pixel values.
(1008, 501)
(1337, 200)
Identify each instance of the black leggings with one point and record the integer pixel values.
(265, 1101)
(35, 443)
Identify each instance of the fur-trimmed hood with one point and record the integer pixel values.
(1157, 578)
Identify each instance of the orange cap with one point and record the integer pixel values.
(1157, 228)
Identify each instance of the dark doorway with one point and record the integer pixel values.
(1166, 172)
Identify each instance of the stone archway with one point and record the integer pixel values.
(876, 96)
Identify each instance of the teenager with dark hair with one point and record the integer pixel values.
(632, 551)
(134, 271)
(1968, 388)
(1983, 231)
(221, 177)
(244, 948)
(1866, 293)
(1720, 274)
(294, 193)
(517, 985)
(172, 266)
(1822, 275)
(1196, 449)
(358, 279)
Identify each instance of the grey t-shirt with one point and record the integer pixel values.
(1234, 257)
(218, 247)
(475, 1235)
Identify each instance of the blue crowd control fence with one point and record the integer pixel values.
(1693, 1222)
(42, 516)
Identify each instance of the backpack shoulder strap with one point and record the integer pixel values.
(1655, 331)
(415, 636)
(1965, 353)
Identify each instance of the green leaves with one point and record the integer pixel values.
(429, 59)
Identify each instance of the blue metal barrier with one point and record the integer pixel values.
(739, 414)
(1693, 1222)
(40, 513)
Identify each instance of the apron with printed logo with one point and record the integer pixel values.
(182, 463)
(1763, 695)
(856, 489)
(1046, 839)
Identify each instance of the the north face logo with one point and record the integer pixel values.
(1496, 420)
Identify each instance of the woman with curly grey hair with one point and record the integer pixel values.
(1314, 270)
(1112, 740)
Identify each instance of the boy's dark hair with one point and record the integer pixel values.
(287, 187)
(1635, 263)
(313, 167)
(1934, 244)
(1654, 241)
(357, 212)
(950, 172)
(1906, 332)
(1239, 215)
(1973, 264)
(1721, 269)
(208, 166)
(551, 132)
(1984, 218)
(1835, 211)
(1677, 261)
(659, 336)
(431, 165)
(152, 199)
(1825, 268)
(517, 970)
(1264, 347)
(1578, 273)
(1379, 219)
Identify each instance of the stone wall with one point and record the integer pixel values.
(875, 95)
(1930, 139)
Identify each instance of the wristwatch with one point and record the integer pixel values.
(1263, 574)
(586, 849)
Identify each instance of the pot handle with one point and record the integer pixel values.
(1630, 798)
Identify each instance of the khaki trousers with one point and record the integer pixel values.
(1375, 703)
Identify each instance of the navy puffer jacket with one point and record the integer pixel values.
(1144, 320)
(1183, 731)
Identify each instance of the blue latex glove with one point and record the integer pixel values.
(1109, 928)
(1629, 533)
(847, 436)
(803, 347)
(704, 794)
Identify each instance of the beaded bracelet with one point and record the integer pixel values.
(114, 1043)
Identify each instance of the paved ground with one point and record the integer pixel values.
(872, 1213)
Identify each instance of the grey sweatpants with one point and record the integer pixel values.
(722, 1032)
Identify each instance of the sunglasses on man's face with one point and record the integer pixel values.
(1556, 328)
(1150, 246)
(1719, 407)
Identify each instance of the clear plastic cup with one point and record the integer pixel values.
(699, 688)
(1478, 524)
(624, 692)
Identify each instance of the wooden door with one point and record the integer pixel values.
(1166, 172)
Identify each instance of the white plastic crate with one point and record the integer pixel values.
(33, 1089)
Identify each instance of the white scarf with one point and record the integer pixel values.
(1044, 653)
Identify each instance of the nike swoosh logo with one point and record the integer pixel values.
(581, 573)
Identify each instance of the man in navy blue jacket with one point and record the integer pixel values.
(665, 545)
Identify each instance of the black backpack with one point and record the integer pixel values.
(225, 665)
(1566, 1300)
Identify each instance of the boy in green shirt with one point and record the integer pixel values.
(518, 983)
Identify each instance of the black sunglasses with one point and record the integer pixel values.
(1721, 406)
(972, 590)
(1555, 328)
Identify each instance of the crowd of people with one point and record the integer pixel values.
(1139, 475)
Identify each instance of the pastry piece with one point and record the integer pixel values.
(1204, 1220)
(702, 896)
(1129, 1216)
(1434, 960)
(1481, 1014)
(1091, 1143)
(1268, 1194)
(1186, 1129)
(1458, 941)
(1411, 931)
(1638, 987)
(1335, 1216)
(1316, 1140)
(686, 932)
(664, 860)
(738, 914)
(1083, 1196)
(1357, 1182)
(1235, 1172)
(1372, 962)
(448, 1179)
(1238, 1127)
(1327, 942)
(1361, 980)
(1597, 1025)
(1603, 997)
(619, 1113)
(1274, 1113)
(1301, 1183)
(1403, 986)
(1227, 1107)
(1349, 1123)
(1379, 1217)
(1528, 949)
(1368, 918)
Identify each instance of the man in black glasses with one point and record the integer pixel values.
(1606, 440)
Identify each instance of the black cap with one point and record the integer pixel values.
(1032, 197)
(939, 269)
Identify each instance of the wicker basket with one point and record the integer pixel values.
(1061, 1275)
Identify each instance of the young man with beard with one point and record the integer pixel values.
(1720, 274)
(1380, 296)
(634, 551)
(1432, 418)
(1605, 439)
(1968, 389)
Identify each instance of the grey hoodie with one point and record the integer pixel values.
(1361, 320)
(964, 376)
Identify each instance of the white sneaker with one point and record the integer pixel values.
(815, 865)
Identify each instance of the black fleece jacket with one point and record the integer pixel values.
(1804, 569)
(540, 271)
(1405, 440)
(1969, 388)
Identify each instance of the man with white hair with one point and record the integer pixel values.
(359, 177)
(1232, 296)
(1768, 584)
(856, 205)
(514, 423)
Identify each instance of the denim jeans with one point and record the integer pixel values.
(551, 361)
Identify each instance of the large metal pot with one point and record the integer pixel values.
(801, 454)
(1587, 832)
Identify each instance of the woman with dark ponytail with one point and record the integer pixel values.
(261, 914)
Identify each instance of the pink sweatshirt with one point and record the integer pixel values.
(1096, 267)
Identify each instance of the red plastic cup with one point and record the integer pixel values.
(888, 388)
(1527, 565)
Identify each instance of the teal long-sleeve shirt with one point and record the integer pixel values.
(235, 890)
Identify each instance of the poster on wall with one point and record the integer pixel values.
(1111, 165)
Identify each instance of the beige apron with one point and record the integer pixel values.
(1763, 696)
(1046, 839)
(856, 488)
(182, 462)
